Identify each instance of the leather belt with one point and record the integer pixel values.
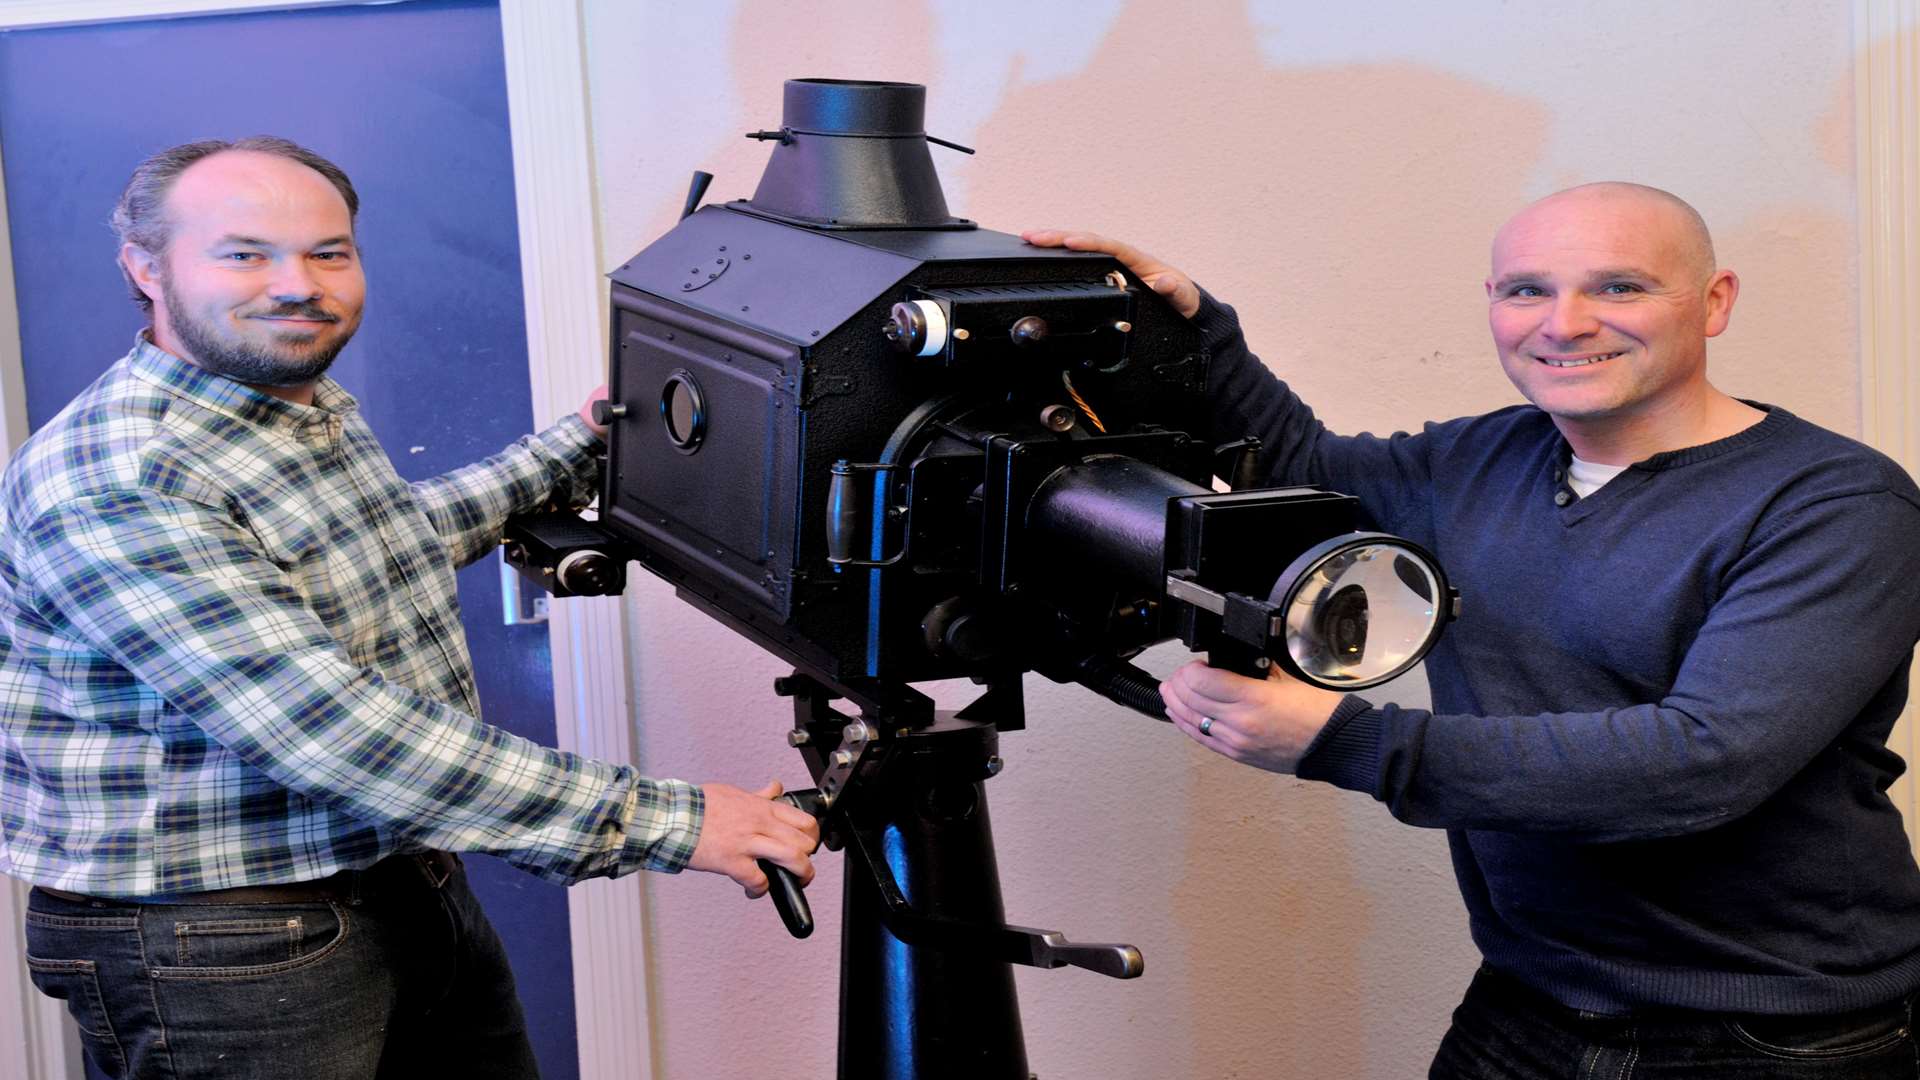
(431, 868)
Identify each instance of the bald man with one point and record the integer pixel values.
(240, 737)
(1658, 740)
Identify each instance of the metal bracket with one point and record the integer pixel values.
(854, 740)
(1242, 617)
(519, 606)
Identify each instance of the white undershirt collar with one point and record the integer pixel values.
(1585, 477)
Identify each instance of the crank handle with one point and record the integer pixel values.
(1051, 949)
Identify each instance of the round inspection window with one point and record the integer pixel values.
(683, 411)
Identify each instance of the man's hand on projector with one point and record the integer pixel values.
(1267, 723)
(1177, 287)
(586, 411)
(742, 826)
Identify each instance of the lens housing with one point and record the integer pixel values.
(1358, 610)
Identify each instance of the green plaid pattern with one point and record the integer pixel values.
(231, 653)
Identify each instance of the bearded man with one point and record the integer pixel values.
(240, 739)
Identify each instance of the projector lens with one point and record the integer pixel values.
(1360, 609)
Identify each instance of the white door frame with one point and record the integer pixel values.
(1887, 165)
(566, 352)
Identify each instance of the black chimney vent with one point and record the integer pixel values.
(852, 155)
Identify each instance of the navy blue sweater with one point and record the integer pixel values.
(1659, 732)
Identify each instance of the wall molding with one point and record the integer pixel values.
(1886, 36)
(560, 275)
(13, 387)
(566, 352)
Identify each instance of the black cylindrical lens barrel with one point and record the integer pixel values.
(1107, 515)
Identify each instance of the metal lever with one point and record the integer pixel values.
(1013, 944)
(789, 898)
(1051, 949)
(1244, 471)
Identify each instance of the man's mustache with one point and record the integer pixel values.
(297, 311)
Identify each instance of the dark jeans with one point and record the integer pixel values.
(1506, 1031)
(398, 977)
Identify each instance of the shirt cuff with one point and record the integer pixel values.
(666, 827)
(1216, 321)
(1346, 753)
(578, 449)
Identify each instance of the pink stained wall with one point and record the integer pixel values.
(1337, 175)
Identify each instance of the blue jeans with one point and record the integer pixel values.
(399, 976)
(1504, 1030)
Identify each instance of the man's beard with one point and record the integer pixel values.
(256, 365)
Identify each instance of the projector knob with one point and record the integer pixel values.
(1031, 330)
(916, 328)
(586, 573)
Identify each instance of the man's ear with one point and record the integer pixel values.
(143, 269)
(1722, 290)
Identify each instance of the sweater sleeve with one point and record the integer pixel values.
(1392, 477)
(1806, 651)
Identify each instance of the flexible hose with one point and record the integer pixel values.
(1122, 682)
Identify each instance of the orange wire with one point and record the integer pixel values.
(1092, 416)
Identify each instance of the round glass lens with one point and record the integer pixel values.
(1362, 615)
(683, 411)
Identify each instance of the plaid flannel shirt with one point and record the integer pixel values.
(231, 653)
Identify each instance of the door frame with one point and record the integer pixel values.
(560, 273)
(1886, 73)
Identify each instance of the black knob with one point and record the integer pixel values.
(906, 329)
(1029, 330)
(606, 412)
(587, 573)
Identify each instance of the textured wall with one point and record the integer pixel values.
(1337, 175)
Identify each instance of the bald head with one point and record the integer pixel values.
(1663, 219)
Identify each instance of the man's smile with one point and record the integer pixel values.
(1580, 360)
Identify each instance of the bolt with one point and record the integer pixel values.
(843, 759)
(1123, 326)
(798, 737)
(1057, 418)
(961, 335)
(994, 765)
(1262, 662)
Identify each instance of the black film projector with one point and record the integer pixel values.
(890, 446)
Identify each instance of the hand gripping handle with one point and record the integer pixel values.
(789, 899)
